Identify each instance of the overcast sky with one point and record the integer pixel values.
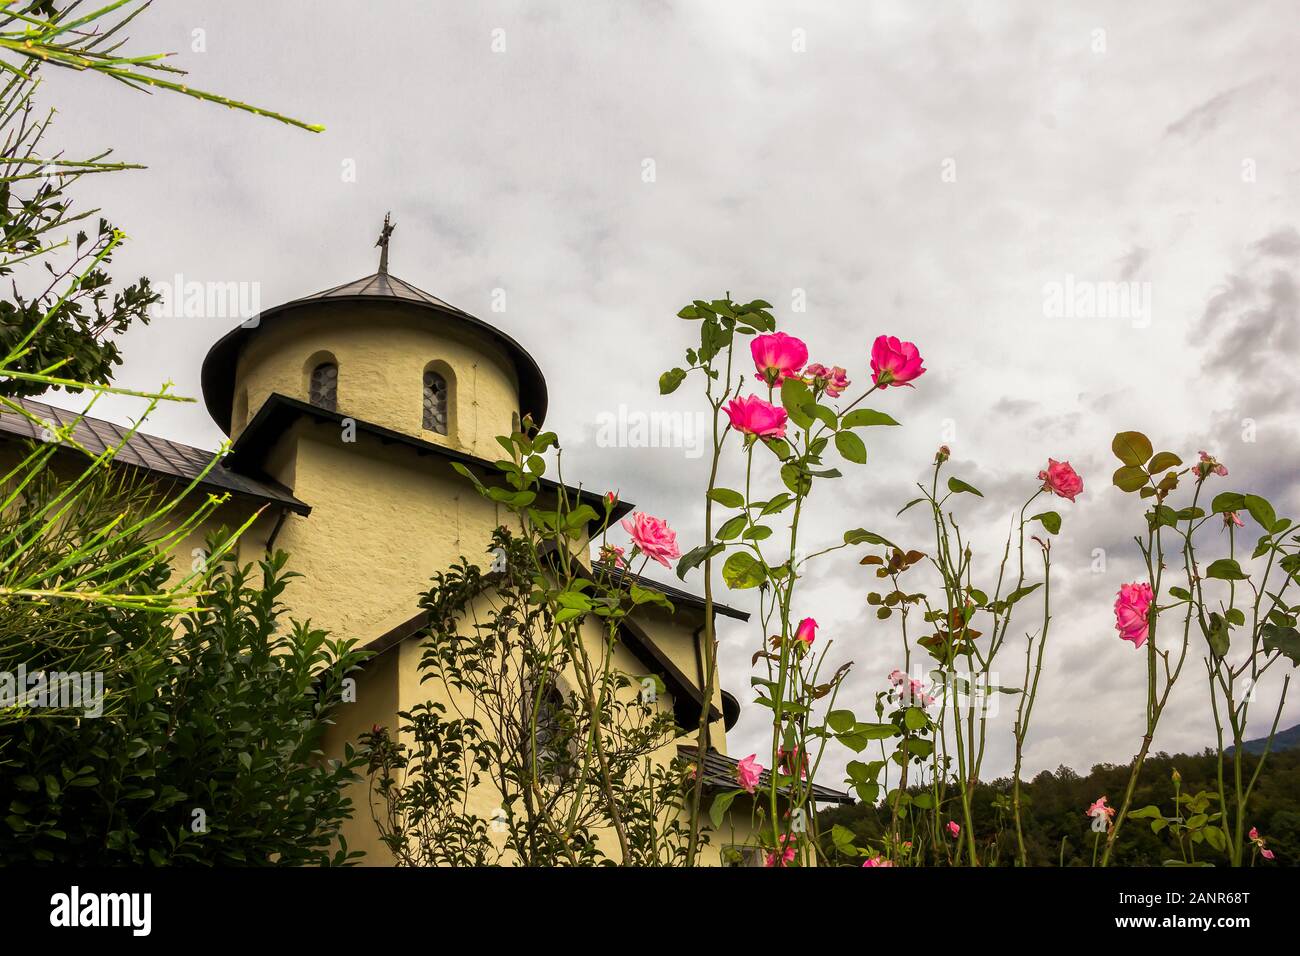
(931, 170)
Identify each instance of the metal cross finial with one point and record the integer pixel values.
(383, 243)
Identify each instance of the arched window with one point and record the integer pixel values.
(324, 390)
(553, 734)
(435, 402)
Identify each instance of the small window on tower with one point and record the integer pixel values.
(324, 391)
(435, 403)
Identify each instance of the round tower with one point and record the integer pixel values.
(381, 351)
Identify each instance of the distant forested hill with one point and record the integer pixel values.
(1285, 740)
(1057, 827)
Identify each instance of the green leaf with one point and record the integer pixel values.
(733, 527)
(1162, 461)
(957, 486)
(727, 498)
(914, 718)
(864, 418)
(851, 447)
(1216, 838)
(1132, 448)
(1283, 639)
(1051, 521)
(824, 415)
(778, 503)
(862, 536)
(797, 398)
(1261, 511)
(862, 734)
(721, 804)
(670, 380)
(841, 721)
(1225, 569)
(914, 501)
(1018, 593)
(697, 556)
(1129, 478)
(1227, 501)
(796, 478)
(843, 838)
(741, 571)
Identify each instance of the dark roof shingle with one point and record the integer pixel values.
(720, 774)
(159, 456)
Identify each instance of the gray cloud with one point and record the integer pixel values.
(814, 177)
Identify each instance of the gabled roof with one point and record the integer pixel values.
(720, 774)
(158, 456)
(219, 365)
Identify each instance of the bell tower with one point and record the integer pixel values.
(380, 350)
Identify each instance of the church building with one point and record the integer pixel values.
(347, 410)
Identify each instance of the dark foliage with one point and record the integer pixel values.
(1056, 805)
(211, 755)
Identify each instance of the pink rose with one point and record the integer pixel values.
(832, 381)
(777, 357)
(1258, 840)
(894, 362)
(747, 773)
(1060, 479)
(787, 760)
(753, 416)
(1211, 466)
(1099, 807)
(806, 631)
(1131, 612)
(653, 536)
(877, 861)
(613, 556)
(954, 829)
(1231, 518)
(787, 853)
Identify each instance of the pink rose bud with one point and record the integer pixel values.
(806, 631)
(894, 362)
(1060, 479)
(954, 828)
